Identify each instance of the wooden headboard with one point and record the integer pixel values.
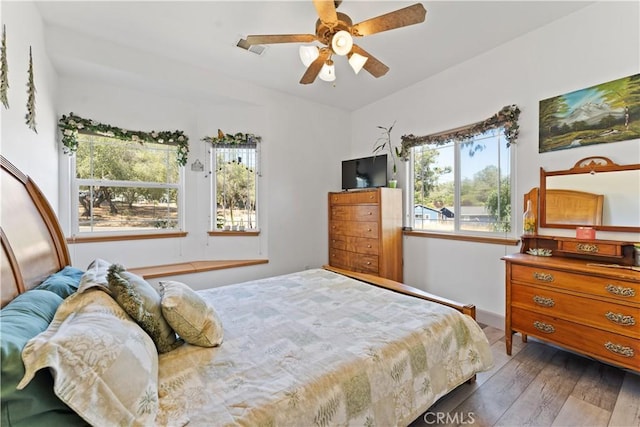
(33, 244)
(573, 207)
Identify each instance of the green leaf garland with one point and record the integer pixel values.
(507, 118)
(4, 70)
(30, 117)
(235, 139)
(70, 126)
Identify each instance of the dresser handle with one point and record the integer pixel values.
(619, 349)
(544, 277)
(620, 318)
(587, 247)
(370, 213)
(544, 327)
(368, 262)
(368, 229)
(545, 302)
(369, 246)
(620, 291)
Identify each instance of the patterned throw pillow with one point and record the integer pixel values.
(142, 302)
(189, 315)
(95, 276)
(104, 366)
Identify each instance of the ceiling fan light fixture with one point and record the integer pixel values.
(328, 71)
(308, 54)
(341, 43)
(357, 61)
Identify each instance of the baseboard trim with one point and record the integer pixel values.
(490, 318)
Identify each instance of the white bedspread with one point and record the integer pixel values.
(318, 349)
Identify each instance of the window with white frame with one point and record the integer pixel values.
(463, 185)
(234, 186)
(123, 187)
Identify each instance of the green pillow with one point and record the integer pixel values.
(23, 318)
(142, 302)
(64, 283)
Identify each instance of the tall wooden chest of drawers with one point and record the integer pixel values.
(365, 231)
(575, 303)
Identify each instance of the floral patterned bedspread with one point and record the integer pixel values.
(315, 348)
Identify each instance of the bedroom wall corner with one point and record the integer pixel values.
(34, 153)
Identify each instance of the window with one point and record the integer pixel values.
(463, 186)
(234, 186)
(122, 186)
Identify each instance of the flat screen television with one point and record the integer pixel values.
(365, 172)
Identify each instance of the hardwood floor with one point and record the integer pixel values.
(540, 385)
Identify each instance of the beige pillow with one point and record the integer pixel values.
(189, 315)
(142, 302)
(105, 367)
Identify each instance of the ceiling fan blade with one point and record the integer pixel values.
(326, 11)
(279, 38)
(400, 18)
(314, 69)
(373, 65)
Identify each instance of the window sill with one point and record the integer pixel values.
(463, 237)
(233, 233)
(165, 270)
(114, 237)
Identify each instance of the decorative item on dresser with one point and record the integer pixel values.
(582, 294)
(365, 231)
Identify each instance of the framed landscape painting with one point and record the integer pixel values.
(608, 112)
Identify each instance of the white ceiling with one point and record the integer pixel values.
(204, 33)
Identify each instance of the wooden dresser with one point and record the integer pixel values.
(365, 231)
(569, 300)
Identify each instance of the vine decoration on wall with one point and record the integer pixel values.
(30, 117)
(70, 126)
(235, 139)
(506, 118)
(4, 70)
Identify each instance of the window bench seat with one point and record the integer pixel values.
(164, 270)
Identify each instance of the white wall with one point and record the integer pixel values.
(594, 45)
(300, 153)
(31, 152)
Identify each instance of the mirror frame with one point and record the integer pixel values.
(590, 165)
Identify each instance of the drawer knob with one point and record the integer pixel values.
(544, 327)
(544, 302)
(620, 291)
(369, 246)
(619, 349)
(620, 318)
(368, 229)
(370, 213)
(368, 262)
(587, 247)
(543, 277)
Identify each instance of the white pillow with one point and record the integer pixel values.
(95, 276)
(189, 315)
(105, 367)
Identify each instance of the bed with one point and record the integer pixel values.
(318, 347)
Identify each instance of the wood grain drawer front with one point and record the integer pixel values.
(590, 248)
(618, 349)
(360, 245)
(350, 261)
(352, 228)
(355, 197)
(355, 213)
(619, 318)
(597, 286)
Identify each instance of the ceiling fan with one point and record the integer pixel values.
(336, 31)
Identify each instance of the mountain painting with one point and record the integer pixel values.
(608, 112)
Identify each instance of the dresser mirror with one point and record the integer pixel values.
(595, 192)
